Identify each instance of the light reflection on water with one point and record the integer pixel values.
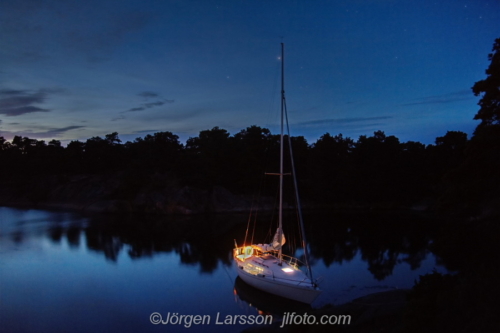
(68, 272)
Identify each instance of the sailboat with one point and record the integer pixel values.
(264, 266)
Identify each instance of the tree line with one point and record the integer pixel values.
(463, 173)
(333, 169)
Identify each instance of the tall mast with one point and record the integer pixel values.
(280, 217)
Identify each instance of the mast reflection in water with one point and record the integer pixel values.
(69, 272)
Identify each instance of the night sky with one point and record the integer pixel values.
(75, 69)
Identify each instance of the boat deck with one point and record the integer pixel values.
(268, 267)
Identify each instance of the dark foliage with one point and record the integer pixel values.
(468, 240)
(489, 113)
(335, 169)
(473, 188)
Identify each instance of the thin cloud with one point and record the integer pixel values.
(118, 118)
(49, 133)
(461, 95)
(146, 131)
(153, 104)
(148, 105)
(136, 109)
(18, 102)
(148, 94)
(12, 97)
(13, 112)
(58, 131)
(331, 121)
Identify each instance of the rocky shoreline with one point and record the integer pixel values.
(378, 312)
(148, 194)
(114, 194)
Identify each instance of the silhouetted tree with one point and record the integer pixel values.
(23, 145)
(112, 139)
(476, 183)
(156, 153)
(75, 148)
(333, 169)
(55, 143)
(251, 147)
(450, 149)
(103, 155)
(3, 144)
(376, 160)
(74, 156)
(208, 158)
(489, 113)
(468, 246)
(329, 162)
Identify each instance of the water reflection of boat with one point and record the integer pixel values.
(267, 303)
(264, 266)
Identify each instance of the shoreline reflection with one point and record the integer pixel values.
(383, 241)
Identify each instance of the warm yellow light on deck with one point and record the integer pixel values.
(287, 270)
(248, 250)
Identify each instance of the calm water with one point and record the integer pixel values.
(62, 271)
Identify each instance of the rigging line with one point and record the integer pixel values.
(304, 243)
(255, 218)
(273, 213)
(253, 208)
(257, 199)
(270, 233)
(295, 228)
(253, 230)
(248, 226)
(254, 224)
(280, 231)
(297, 218)
(298, 224)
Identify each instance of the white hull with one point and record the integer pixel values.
(300, 292)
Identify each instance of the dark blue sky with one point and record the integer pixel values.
(76, 69)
